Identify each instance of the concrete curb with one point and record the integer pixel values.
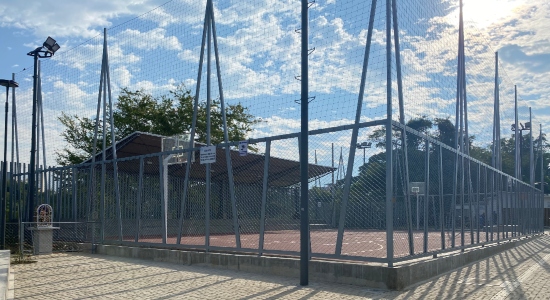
(362, 274)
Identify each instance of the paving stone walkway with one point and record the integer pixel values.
(520, 273)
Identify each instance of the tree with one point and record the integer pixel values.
(166, 115)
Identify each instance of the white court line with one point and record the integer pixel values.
(510, 286)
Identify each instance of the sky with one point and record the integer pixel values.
(155, 46)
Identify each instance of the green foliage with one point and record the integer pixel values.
(167, 115)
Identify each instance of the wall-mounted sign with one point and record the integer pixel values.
(208, 155)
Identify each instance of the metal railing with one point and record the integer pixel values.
(482, 206)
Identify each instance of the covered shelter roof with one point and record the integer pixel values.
(247, 169)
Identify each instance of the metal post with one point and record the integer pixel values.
(492, 222)
(402, 121)
(225, 134)
(426, 194)
(264, 196)
(15, 146)
(73, 190)
(208, 137)
(139, 195)
(61, 195)
(41, 118)
(193, 129)
(417, 212)
(333, 192)
(498, 195)
(4, 175)
(304, 148)
(32, 188)
(496, 120)
(520, 208)
(13, 196)
(441, 202)
(355, 131)
(516, 205)
(507, 223)
(389, 165)
(163, 204)
(531, 158)
(517, 152)
(486, 219)
(458, 129)
(477, 198)
(104, 151)
(541, 200)
(113, 138)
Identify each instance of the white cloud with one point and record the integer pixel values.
(260, 55)
(68, 18)
(150, 40)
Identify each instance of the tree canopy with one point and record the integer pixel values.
(369, 183)
(166, 115)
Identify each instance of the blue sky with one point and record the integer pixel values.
(259, 51)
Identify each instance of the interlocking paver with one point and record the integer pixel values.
(520, 273)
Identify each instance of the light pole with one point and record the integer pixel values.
(8, 84)
(48, 49)
(364, 145)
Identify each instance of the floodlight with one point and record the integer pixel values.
(49, 42)
(51, 45)
(364, 145)
(527, 125)
(8, 83)
(55, 47)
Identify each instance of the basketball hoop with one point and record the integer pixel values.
(177, 142)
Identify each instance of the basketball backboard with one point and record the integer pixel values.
(177, 142)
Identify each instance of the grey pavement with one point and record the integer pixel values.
(520, 273)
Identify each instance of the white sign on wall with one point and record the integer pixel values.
(208, 155)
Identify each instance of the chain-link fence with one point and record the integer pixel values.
(373, 194)
(440, 200)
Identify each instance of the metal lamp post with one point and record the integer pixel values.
(48, 49)
(8, 84)
(364, 145)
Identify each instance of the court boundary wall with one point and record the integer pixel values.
(373, 275)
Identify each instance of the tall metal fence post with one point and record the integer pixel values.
(355, 130)
(389, 166)
(426, 193)
(93, 237)
(264, 196)
(208, 174)
(304, 135)
(74, 190)
(441, 200)
(139, 195)
(477, 199)
(401, 103)
(163, 204)
(21, 237)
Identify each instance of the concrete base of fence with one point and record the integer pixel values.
(372, 275)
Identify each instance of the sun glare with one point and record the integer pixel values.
(484, 13)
